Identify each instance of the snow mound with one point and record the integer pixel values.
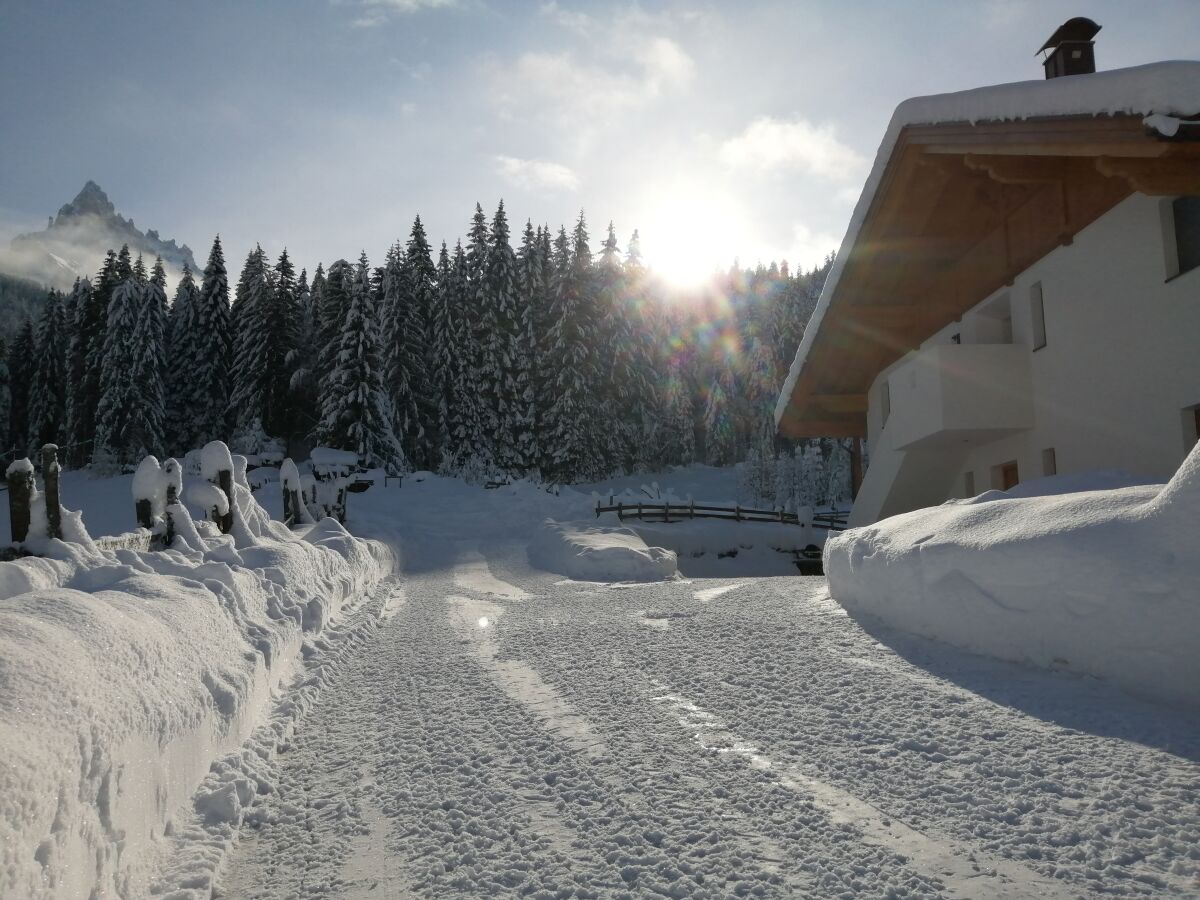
(1105, 582)
(124, 675)
(598, 553)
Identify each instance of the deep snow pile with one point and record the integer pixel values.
(1101, 582)
(589, 552)
(124, 675)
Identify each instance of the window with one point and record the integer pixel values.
(993, 322)
(1185, 214)
(956, 338)
(1037, 311)
(1005, 476)
(885, 403)
(1049, 462)
(969, 484)
(1191, 428)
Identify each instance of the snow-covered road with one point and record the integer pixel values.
(502, 730)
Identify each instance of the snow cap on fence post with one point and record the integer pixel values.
(216, 465)
(148, 489)
(21, 491)
(172, 473)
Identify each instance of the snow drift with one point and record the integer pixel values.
(1100, 582)
(598, 553)
(124, 675)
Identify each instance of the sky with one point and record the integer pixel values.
(721, 131)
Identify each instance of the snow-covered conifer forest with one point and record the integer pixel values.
(505, 355)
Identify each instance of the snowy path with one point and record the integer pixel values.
(505, 731)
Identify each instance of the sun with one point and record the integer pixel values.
(690, 231)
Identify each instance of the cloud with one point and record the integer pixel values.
(808, 248)
(574, 90)
(769, 144)
(378, 12)
(572, 20)
(537, 174)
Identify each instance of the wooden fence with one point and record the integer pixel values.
(678, 512)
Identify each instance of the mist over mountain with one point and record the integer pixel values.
(74, 242)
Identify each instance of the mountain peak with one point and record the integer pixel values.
(90, 201)
(75, 241)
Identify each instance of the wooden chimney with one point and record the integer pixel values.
(1071, 48)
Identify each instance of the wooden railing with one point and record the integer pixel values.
(678, 512)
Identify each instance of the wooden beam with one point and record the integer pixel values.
(1009, 169)
(800, 427)
(1162, 177)
(1145, 150)
(841, 403)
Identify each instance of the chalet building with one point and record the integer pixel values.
(1018, 293)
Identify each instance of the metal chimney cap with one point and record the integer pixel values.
(1077, 29)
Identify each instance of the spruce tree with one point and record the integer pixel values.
(208, 349)
(79, 416)
(410, 353)
(115, 425)
(358, 412)
(22, 357)
(301, 361)
(442, 353)
(48, 385)
(838, 466)
(91, 323)
(473, 441)
(531, 291)
(460, 416)
(570, 425)
(331, 308)
(180, 430)
(5, 403)
(812, 479)
(258, 404)
(648, 349)
(150, 363)
(404, 357)
(720, 443)
(677, 434)
(499, 339)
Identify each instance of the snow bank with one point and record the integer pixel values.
(589, 552)
(1100, 582)
(124, 675)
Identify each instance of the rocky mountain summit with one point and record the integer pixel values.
(75, 241)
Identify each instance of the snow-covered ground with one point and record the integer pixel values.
(125, 675)
(1055, 572)
(482, 727)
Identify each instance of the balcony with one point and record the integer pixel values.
(959, 393)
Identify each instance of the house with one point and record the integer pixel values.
(1018, 292)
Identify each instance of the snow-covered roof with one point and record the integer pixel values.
(1162, 90)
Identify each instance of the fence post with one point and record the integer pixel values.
(174, 479)
(289, 480)
(225, 483)
(691, 507)
(667, 512)
(50, 470)
(737, 511)
(19, 476)
(145, 513)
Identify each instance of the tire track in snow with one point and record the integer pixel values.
(960, 867)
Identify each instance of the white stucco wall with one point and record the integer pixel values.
(1109, 390)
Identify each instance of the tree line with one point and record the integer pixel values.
(540, 360)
